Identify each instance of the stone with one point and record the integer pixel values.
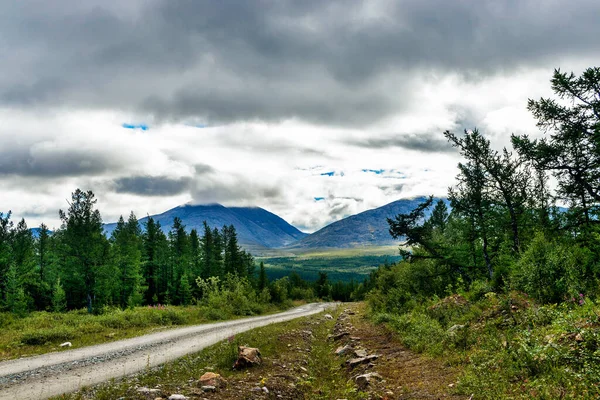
(66, 344)
(212, 379)
(578, 338)
(328, 316)
(148, 392)
(208, 388)
(365, 380)
(361, 360)
(177, 397)
(264, 389)
(360, 353)
(340, 351)
(338, 336)
(247, 357)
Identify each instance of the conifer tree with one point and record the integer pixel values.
(85, 250)
(59, 298)
(263, 280)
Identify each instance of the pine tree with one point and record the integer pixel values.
(15, 295)
(185, 290)
(127, 253)
(571, 149)
(85, 250)
(59, 298)
(180, 250)
(6, 258)
(263, 280)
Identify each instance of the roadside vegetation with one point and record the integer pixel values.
(296, 359)
(77, 285)
(505, 283)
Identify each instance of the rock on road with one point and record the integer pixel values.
(47, 375)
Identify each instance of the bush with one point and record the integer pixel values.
(417, 331)
(550, 272)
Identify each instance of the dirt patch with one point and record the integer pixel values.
(397, 372)
(406, 375)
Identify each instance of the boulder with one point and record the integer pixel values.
(340, 351)
(362, 381)
(212, 379)
(247, 357)
(360, 353)
(361, 360)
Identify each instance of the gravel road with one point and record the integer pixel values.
(52, 374)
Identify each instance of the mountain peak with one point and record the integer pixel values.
(256, 227)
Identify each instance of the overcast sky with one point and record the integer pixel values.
(311, 109)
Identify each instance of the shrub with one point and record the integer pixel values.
(549, 272)
(417, 331)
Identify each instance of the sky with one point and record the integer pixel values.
(313, 110)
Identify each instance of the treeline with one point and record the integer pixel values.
(506, 227)
(77, 266)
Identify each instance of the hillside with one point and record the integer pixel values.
(256, 227)
(369, 228)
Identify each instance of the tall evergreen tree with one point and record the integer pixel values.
(6, 257)
(179, 245)
(85, 247)
(571, 149)
(25, 261)
(263, 280)
(127, 253)
(155, 249)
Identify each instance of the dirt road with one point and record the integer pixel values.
(52, 374)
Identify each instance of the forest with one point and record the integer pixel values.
(506, 279)
(77, 266)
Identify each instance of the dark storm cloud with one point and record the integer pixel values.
(232, 190)
(48, 160)
(152, 185)
(146, 185)
(423, 142)
(220, 61)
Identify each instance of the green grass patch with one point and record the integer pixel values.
(42, 332)
(509, 346)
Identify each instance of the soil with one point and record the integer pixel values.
(406, 375)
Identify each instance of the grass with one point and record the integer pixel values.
(510, 347)
(42, 332)
(295, 365)
(339, 264)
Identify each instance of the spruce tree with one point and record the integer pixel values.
(85, 250)
(263, 280)
(59, 298)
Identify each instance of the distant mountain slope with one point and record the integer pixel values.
(369, 228)
(255, 227)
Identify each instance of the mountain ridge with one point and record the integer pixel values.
(368, 228)
(255, 226)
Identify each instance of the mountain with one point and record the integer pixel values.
(369, 228)
(256, 228)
